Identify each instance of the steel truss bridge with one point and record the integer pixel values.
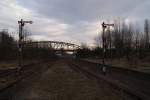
(53, 45)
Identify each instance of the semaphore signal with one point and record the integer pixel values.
(21, 25)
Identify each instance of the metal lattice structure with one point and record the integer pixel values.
(53, 45)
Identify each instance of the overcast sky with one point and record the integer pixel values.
(73, 21)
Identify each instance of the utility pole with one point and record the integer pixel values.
(104, 26)
(21, 25)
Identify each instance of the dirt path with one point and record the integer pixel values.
(60, 82)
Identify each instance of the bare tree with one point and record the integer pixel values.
(146, 30)
(26, 34)
(117, 39)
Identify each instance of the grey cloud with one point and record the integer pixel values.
(78, 15)
(73, 11)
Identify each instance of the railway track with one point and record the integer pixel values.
(134, 83)
(13, 76)
(4, 73)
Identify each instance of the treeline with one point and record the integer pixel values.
(124, 40)
(9, 50)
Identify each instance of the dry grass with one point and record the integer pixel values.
(139, 65)
(14, 64)
(8, 65)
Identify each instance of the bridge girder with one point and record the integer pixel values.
(53, 45)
